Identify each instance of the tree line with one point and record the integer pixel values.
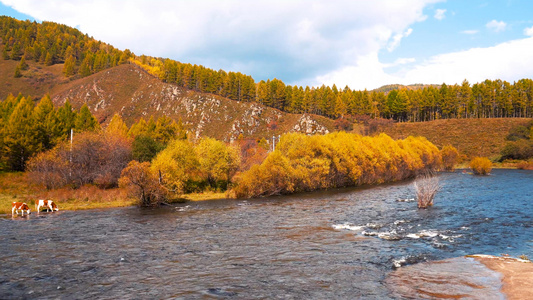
(50, 43)
(487, 99)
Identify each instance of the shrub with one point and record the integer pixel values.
(426, 187)
(520, 149)
(306, 163)
(344, 123)
(49, 169)
(92, 159)
(142, 184)
(450, 157)
(217, 161)
(251, 153)
(177, 165)
(518, 133)
(525, 165)
(273, 177)
(481, 166)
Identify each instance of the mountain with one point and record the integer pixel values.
(133, 93)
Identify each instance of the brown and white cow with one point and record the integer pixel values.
(16, 206)
(49, 204)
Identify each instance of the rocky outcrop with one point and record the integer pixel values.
(306, 124)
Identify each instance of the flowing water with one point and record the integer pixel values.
(338, 244)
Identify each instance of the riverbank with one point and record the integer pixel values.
(14, 187)
(517, 275)
(471, 276)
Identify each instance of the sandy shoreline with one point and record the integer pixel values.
(517, 275)
(466, 277)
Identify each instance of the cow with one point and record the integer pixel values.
(49, 204)
(16, 206)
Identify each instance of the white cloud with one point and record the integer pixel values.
(397, 38)
(403, 61)
(509, 61)
(471, 31)
(291, 40)
(528, 31)
(496, 26)
(440, 14)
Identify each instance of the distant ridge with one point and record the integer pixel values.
(417, 86)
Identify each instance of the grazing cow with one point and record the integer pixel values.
(49, 204)
(16, 206)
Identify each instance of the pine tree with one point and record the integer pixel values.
(85, 121)
(17, 74)
(44, 116)
(5, 55)
(22, 64)
(117, 127)
(15, 51)
(68, 67)
(48, 59)
(21, 138)
(139, 128)
(66, 118)
(85, 68)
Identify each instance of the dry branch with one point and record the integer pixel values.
(426, 187)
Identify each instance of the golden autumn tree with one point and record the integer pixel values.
(176, 165)
(117, 126)
(217, 161)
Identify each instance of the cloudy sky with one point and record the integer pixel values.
(359, 43)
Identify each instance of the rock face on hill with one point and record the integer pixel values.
(131, 92)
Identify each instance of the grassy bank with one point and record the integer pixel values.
(472, 137)
(15, 187)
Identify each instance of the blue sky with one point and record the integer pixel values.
(359, 43)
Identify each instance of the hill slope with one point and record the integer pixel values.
(131, 92)
(472, 137)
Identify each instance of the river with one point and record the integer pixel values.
(336, 244)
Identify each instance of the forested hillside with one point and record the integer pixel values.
(488, 99)
(50, 43)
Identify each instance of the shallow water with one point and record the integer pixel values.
(340, 244)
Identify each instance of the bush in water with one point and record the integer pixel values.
(481, 166)
(426, 187)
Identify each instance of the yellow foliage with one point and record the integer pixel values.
(305, 163)
(481, 166)
(117, 127)
(274, 176)
(216, 160)
(450, 156)
(176, 165)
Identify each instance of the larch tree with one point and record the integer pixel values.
(117, 126)
(85, 121)
(21, 137)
